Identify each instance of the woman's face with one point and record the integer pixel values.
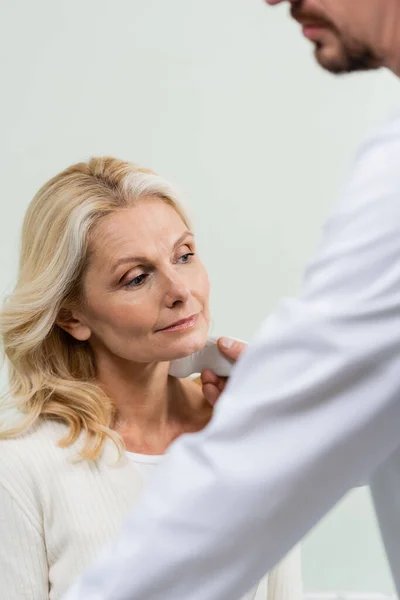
(146, 292)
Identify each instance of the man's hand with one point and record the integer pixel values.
(213, 385)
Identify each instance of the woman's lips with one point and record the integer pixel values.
(182, 325)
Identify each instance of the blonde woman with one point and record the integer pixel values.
(110, 290)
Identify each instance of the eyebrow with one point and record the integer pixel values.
(145, 259)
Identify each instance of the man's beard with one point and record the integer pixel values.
(350, 56)
(348, 61)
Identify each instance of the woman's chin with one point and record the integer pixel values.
(187, 346)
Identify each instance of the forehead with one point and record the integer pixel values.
(148, 225)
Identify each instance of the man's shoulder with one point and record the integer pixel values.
(388, 129)
(371, 191)
(378, 157)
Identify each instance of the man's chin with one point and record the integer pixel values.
(334, 66)
(339, 63)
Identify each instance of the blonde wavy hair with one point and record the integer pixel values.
(51, 374)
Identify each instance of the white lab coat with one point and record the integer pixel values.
(312, 408)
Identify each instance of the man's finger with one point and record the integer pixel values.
(231, 348)
(211, 393)
(208, 376)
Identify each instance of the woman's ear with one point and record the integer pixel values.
(73, 324)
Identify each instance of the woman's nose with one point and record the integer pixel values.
(177, 291)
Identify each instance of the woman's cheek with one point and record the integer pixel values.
(204, 288)
(201, 284)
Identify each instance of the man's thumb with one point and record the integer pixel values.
(231, 348)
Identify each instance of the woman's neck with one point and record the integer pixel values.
(152, 409)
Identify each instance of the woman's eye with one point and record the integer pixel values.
(185, 258)
(137, 281)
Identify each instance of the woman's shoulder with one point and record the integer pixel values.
(24, 462)
(34, 468)
(43, 433)
(23, 453)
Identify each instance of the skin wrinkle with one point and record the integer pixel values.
(122, 321)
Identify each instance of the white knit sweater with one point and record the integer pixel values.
(56, 515)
